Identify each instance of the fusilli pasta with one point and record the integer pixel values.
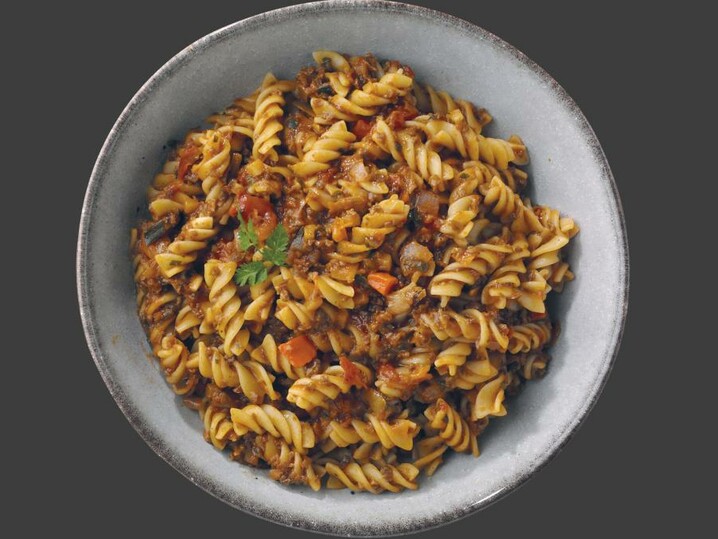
(343, 275)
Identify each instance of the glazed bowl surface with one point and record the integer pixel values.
(568, 170)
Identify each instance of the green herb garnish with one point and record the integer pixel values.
(251, 273)
(274, 252)
(246, 235)
(275, 248)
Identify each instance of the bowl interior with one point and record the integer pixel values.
(567, 171)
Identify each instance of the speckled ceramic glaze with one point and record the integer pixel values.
(568, 170)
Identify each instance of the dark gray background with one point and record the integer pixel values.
(638, 73)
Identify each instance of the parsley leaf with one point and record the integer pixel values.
(246, 235)
(250, 274)
(275, 248)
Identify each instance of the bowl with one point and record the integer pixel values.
(568, 170)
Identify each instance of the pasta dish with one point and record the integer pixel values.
(343, 275)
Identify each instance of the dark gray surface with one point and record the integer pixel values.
(638, 78)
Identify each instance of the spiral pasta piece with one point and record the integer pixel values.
(470, 324)
(262, 296)
(382, 219)
(267, 117)
(338, 294)
(215, 157)
(173, 356)
(429, 454)
(454, 134)
(473, 373)
(327, 148)
(225, 310)
(248, 377)
(509, 206)
(218, 428)
(411, 370)
(372, 477)
(290, 466)
(170, 195)
(331, 59)
(278, 423)
(406, 147)
(443, 103)
(452, 356)
(490, 399)
(469, 266)
(184, 250)
(386, 90)
(399, 433)
(528, 337)
(533, 365)
(318, 390)
(453, 428)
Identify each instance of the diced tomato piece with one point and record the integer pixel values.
(361, 128)
(260, 211)
(400, 115)
(352, 374)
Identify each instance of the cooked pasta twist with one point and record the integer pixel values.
(173, 356)
(327, 148)
(429, 454)
(399, 433)
(469, 266)
(267, 116)
(278, 423)
(372, 477)
(184, 250)
(407, 147)
(411, 370)
(318, 390)
(452, 356)
(528, 337)
(470, 324)
(226, 312)
(362, 102)
(290, 466)
(490, 399)
(474, 372)
(170, 195)
(382, 219)
(248, 377)
(453, 428)
(338, 294)
(218, 428)
(509, 206)
(443, 103)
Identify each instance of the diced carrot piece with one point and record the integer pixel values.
(299, 350)
(382, 282)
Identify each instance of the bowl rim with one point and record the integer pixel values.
(84, 287)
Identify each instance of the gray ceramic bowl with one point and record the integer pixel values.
(568, 171)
